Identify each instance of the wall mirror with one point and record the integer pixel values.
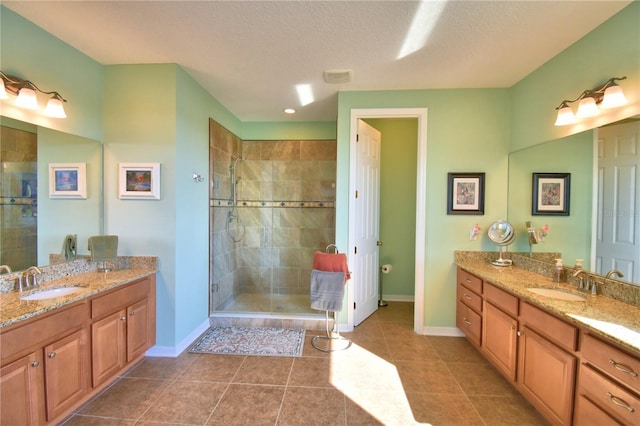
(33, 224)
(617, 216)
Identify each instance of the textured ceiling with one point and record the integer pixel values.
(251, 55)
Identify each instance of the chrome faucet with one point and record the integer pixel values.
(31, 276)
(614, 272)
(5, 268)
(582, 285)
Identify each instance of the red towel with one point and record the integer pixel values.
(331, 262)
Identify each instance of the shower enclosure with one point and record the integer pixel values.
(18, 198)
(271, 208)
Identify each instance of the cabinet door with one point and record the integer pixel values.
(137, 330)
(108, 346)
(499, 339)
(546, 376)
(65, 372)
(22, 391)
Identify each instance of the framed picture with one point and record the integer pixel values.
(465, 193)
(67, 180)
(139, 181)
(551, 194)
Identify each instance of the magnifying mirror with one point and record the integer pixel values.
(501, 233)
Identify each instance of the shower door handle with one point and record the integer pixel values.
(379, 243)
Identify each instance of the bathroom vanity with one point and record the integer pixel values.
(58, 352)
(576, 361)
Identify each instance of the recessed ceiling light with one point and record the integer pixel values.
(289, 111)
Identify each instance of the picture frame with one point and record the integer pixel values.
(551, 194)
(68, 180)
(465, 193)
(139, 181)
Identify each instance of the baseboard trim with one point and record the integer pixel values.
(174, 351)
(442, 331)
(398, 298)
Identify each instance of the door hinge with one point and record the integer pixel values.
(354, 305)
(356, 193)
(357, 138)
(355, 250)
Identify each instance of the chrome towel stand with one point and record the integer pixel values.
(333, 335)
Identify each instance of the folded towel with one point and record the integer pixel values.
(69, 248)
(103, 247)
(327, 290)
(331, 262)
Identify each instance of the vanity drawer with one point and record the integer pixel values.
(612, 361)
(469, 322)
(470, 281)
(121, 298)
(469, 298)
(43, 329)
(589, 414)
(501, 299)
(613, 399)
(556, 330)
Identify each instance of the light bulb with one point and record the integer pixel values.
(587, 108)
(613, 97)
(55, 108)
(3, 91)
(27, 98)
(565, 116)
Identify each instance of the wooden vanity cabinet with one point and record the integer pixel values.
(469, 306)
(547, 363)
(22, 391)
(608, 384)
(500, 329)
(50, 374)
(122, 329)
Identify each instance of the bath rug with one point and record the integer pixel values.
(259, 341)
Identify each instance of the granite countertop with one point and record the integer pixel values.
(604, 315)
(14, 310)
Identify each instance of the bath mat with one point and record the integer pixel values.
(259, 341)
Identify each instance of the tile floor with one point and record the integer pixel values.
(389, 376)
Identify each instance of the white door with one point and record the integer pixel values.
(618, 229)
(367, 222)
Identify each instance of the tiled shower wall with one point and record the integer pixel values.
(18, 198)
(286, 208)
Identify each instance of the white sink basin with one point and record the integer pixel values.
(50, 294)
(557, 294)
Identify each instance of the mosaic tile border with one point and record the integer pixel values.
(217, 202)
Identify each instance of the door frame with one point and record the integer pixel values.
(421, 196)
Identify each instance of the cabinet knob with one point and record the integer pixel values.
(466, 321)
(123, 318)
(511, 327)
(519, 333)
(132, 313)
(623, 368)
(466, 296)
(35, 363)
(52, 355)
(620, 402)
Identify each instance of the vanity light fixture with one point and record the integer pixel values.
(609, 95)
(26, 95)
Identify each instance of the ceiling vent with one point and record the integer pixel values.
(338, 76)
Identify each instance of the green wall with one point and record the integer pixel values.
(398, 171)
(611, 50)
(569, 235)
(31, 53)
(467, 131)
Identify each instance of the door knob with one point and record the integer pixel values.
(379, 243)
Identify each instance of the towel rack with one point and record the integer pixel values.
(332, 335)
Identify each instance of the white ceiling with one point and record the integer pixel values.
(250, 55)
